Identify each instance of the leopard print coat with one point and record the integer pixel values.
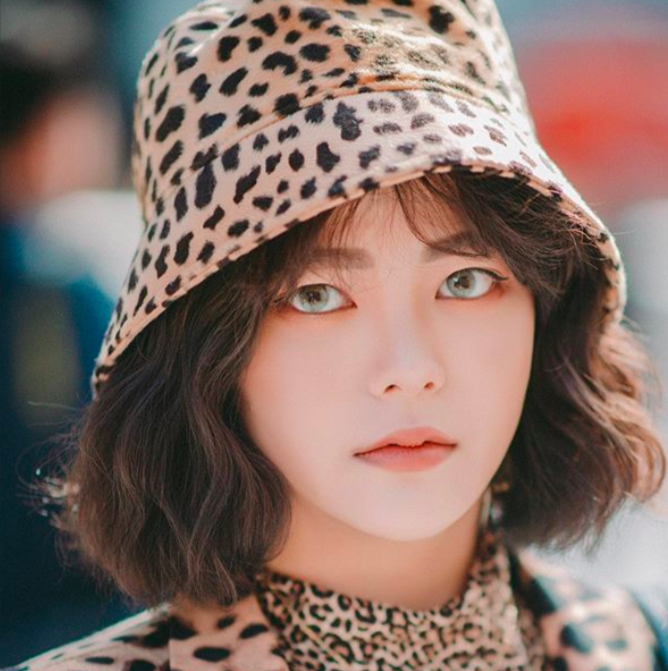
(517, 612)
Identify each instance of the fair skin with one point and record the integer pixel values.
(400, 346)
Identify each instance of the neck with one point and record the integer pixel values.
(417, 575)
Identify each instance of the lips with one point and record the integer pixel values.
(412, 437)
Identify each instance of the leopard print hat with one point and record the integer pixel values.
(254, 115)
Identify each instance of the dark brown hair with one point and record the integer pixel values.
(162, 492)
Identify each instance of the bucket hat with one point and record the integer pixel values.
(251, 116)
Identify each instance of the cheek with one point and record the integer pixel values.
(493, 367)
(286, 391)
(504, 350)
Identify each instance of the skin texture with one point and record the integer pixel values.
(397, 347)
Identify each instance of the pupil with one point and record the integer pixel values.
(466, 281)
(311, 293)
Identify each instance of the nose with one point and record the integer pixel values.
(408, 357)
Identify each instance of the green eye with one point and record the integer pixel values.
(314, 295)
(472, 282)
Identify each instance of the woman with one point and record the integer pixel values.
(326, 428)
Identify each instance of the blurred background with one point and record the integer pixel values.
(595, 76)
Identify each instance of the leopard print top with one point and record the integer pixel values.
(538, 616)
(484, 626)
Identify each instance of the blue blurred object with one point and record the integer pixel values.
(653, 601)
(57, 136)
(52, 326)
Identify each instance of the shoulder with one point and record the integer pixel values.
(139, 642)
(582, 621)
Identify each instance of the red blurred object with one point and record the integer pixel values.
(599, 96)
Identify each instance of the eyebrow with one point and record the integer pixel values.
(462, 243)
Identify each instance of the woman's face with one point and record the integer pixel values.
(408, 343)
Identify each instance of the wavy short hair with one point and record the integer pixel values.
(161, 491)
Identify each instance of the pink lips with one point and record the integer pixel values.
(414, 450)
(411, 438)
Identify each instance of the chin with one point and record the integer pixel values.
(406, 528)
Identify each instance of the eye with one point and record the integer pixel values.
(468, 283)
(314, 295)
(472, 282)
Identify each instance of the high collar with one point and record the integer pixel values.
(483, 620)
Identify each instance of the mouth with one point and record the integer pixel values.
(413, 438)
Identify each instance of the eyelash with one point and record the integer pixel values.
(283, 302)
